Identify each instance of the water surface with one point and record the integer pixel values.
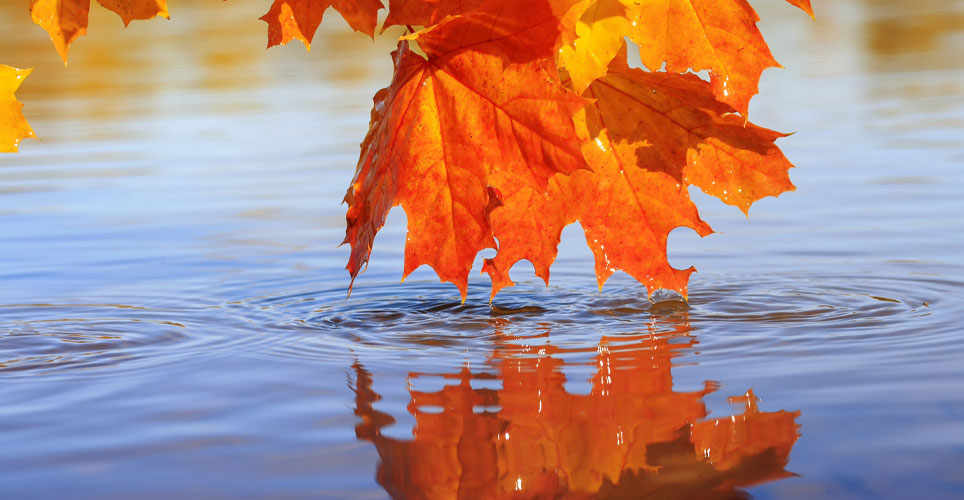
(173, 320)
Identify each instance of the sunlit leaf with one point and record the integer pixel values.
(647, 137)
(13, 125)
(441, 135)
(681, 35)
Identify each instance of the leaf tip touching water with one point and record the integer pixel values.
(486, 149)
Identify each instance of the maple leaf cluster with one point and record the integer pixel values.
(519, 118)
(507, 120)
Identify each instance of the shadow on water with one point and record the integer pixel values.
(510, 428)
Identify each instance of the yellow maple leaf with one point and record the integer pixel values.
(13, 125)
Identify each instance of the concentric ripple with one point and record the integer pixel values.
(748, 314)
(58, 337)
(738, 315)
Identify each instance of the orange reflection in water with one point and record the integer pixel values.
(632, 436)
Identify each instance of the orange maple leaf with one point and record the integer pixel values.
(647, 137)
(518, 32)
(446, 129)
(426, 12)
(66, 20)
(13, 125)
(299, 19)
(716, 35)
(456, 125)
(804, 5)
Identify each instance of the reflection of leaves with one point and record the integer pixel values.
(13, 125)
(632, 435)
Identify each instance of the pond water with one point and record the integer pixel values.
(174, 322)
